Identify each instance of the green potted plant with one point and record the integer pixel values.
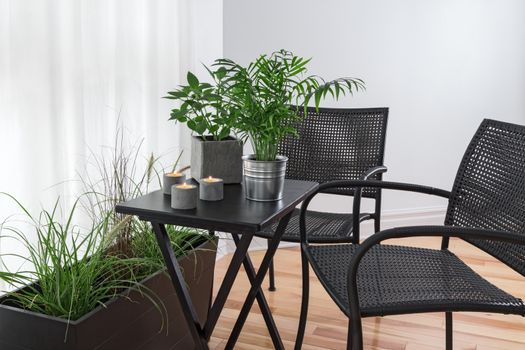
(76, 291)
(103, 286)
(262, 95)
(206, 111)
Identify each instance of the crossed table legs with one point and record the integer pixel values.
(201, 335)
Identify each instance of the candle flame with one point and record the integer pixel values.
(211, 179)
(185, 186)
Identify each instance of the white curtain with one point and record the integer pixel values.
(70, 68)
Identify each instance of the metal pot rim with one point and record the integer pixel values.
(251, 158)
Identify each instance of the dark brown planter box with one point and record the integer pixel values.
(123, 324)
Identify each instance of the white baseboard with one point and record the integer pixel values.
(389, 219)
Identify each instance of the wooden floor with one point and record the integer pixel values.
(327, 326)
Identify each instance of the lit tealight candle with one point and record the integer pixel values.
(211, 189)
(184, 196)
(170, 179)
(212, 179)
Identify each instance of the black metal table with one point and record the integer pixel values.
(242, 218)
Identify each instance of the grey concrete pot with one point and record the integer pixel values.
(222, 159)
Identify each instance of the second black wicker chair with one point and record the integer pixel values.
(486, 208)
(335, 144)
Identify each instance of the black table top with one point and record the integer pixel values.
(234, 213)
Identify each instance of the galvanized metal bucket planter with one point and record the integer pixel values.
(264, 180)
(221, 159)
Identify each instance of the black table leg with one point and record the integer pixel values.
(210, 302)
(179, 284)
(261, 300)
(271, 275)
(273, 244)
(227, 283)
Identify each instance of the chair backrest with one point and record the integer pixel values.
(337, 144)
(489, 190)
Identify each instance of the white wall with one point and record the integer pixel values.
(440, 65)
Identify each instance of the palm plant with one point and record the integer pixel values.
(261, 94)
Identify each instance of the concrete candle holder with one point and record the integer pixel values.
(171, 179)
(184, 196)
(211, 189)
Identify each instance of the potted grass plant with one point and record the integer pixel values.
(206, 111)
(103, 286)
(261, 95)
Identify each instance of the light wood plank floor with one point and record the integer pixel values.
(327, 326)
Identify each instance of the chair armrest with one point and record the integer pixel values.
(372, 171)
(413, 231)
(358, 193)
(360, 184)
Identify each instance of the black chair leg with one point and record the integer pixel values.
(304, 302)
(349, 337)
(448, 330)
(354, 340)
(377, 223)
(271, 273)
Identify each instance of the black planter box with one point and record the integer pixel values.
(123, 324)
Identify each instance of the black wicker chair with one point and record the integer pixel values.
(486, 208)
(335, 144)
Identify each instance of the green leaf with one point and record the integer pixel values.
(192, 80)
(200, 128)
(192, 125)
(221, 73)
(337, 90)
(318, 94)
(177, 94)
(178, 115)
(327, 90)
(213, 97)
(214, 128)
(224, 133)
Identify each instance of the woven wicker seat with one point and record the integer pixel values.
(324, 227)
(335, 144)
(486, 208)
(398, 280)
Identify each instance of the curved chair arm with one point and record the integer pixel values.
(356, 208)
(372, 171)
(360, 184)
(403, 232)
